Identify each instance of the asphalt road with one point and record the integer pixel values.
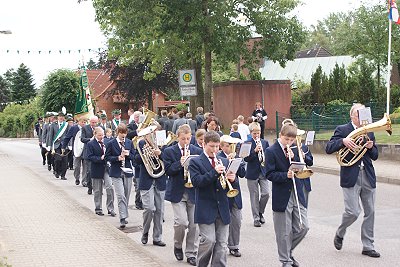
(258, 245)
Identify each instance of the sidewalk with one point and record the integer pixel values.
(40, 225)
(386, 170)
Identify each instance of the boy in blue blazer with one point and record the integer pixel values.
(211, 203)
(255, 175)
(120, 153)
(235, 203)
(181, 197)
(96, 154)
(289, 233)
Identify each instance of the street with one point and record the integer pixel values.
(22, 158)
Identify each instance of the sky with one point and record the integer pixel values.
(54, 25)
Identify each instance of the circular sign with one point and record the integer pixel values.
(187, 77)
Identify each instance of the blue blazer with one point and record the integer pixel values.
(113, 151)
(236, 184)
(97, 165)
(70, 135)
(173, 168)
(277, 166)
(210, 199)
(145, 180)
(86, 136)
(254, 168)
(235, 135)
(348, 175)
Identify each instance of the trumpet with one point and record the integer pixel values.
(295, 188)
(186, 173)
(232, 192)
(261, 156)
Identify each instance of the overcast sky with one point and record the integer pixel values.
(43, 25)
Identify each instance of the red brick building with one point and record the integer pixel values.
(101, 88)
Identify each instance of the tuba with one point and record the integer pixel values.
(152, 162)
(149, 117)
(348, 157)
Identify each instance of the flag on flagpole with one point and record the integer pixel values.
(83, 103)
(393, 12)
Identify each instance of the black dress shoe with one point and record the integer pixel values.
(191, 261)
(89, 191)
(371, 253)
(111, 213)
(178, 253)
(49, 167)
(294, 262)
(57, 175)
(100, 213)
(145, 238)
(139, 207)
(71, 168)
(122, 223)
(338, 242)
(159, 243)
(77, 182)
(257, 223)
(262, 220)
(235, 252)
(63, 178)
(44, 163)
(84, 184)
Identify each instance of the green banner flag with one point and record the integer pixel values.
(83, 103)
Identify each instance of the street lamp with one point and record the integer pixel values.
(6, 32)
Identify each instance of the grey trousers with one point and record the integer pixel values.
(234, 228)
(258, 203)
(138, 200)
(153, 205)
(363, 190)
(86, 172)
(78, 163)
(213, 242)
(184, 219)
(287, 229)
(97, 185)
(122, 188)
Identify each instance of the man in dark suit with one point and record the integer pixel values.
(104, 124)
(96, 154)
(178, 122)
(255, 175)
(181, 197)
(358, 182)
(169, 123)
(288, 202)
(235, 203)
(56, 135)
(163, 118)
(86, 136)
(199, 117)
(192, 123)
(212, 205)
(120, 153)
(260, 115)
(45, 140)
(71, 134)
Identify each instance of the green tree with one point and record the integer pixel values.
(92, 65)
(338, 83)
(361, 83)
(4, 92)
(60, 89)
(316, 85)
(22, 86)
(196, 30)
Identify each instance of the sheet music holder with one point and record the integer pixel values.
(364, 115)
(187, 161)
(296, 166)
(161, 137)
(127, 170)
(310, 138)
(245, 149)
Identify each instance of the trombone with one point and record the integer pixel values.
(232, 192)
(305, 172)
(186, 173)
(295, 188)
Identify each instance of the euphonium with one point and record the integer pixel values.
(149, 117)
(232, 192)
(348, 157)
(186, 173)
(153, 164)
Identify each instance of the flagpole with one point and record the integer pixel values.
(388, 69)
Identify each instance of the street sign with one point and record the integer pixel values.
(187, 83)
(188, 90)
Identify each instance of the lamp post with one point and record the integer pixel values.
(6, 32)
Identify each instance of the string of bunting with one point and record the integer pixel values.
(69, 51)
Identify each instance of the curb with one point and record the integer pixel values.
(379, 179)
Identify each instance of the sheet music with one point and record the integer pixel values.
(161, 137)
(245, 149)
(296, 166)
(234, 165)
(364, 115)
(310, 138)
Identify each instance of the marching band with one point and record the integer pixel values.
(196, 174)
